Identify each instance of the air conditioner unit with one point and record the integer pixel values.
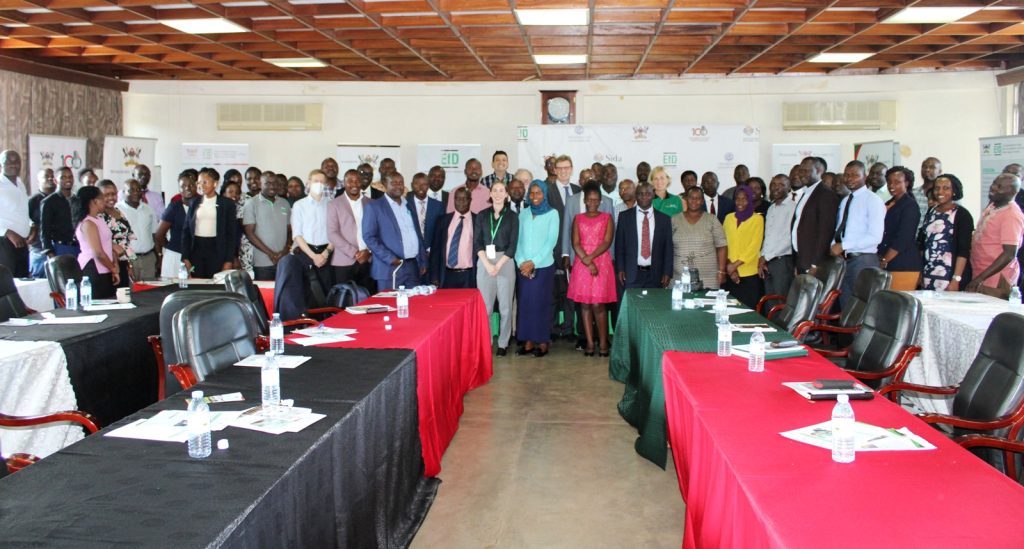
(270, 116)
(839, 115)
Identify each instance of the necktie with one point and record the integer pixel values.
(841, 231)
(567, 189)
(453, 248)
(713, 212)
(423, 218)
(645, 237)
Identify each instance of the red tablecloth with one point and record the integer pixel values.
(747, 486)
(266, 293)
(451, 336)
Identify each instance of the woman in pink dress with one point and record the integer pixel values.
(592, 283)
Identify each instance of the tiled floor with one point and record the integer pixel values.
(542, 459)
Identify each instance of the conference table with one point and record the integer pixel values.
(646, 328)
(747, 486)
(351, 479)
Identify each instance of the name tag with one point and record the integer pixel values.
(492, 254)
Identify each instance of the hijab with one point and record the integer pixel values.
(544, 206)
(744, 214)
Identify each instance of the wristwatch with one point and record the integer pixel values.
(957, 278)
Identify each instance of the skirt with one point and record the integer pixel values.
(535, 297)
(905, 281)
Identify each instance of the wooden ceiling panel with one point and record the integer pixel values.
(483, 40)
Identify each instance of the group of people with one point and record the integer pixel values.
(553, 255)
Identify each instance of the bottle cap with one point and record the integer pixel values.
(843, 399)
(197, 395)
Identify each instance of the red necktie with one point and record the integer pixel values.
(713, 207)
(645, 238)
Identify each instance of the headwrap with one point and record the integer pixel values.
(744, 214)
(544, 206)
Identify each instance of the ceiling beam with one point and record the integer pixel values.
(526, 39)
(737, 15)
(590, 37)
(446, 17)
(809, 15)
(657, 33)
(360, 7)
(62, 74)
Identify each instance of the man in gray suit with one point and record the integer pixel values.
(559, 192)
(351, 259)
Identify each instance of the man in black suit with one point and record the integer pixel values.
(559, 192)
(714, 203)
(435, 180)
(640, 264)
(452, 263)
(56, 230)
(425, 213)
(517, 190)
(814, 219)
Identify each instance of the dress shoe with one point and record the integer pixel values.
(501, 351)
(523, 351)
(539, 353)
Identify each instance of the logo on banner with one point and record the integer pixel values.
(729, 157)
(669, 159)
(640, 133)
(578, 130)
(610, 157)
(449, 158)
(131, 156)
(368, 158)
(699, 133)
(986, 148)
(751, 131)
(524, 133)
(71, 160)
(47, 158)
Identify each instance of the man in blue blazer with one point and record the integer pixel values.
(425, 211)
(714, 202)
(634, 270)
(389, 230)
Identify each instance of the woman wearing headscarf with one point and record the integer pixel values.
(744, 232)
(97, 258)
(539, 227)
(898, 249)
(945, 238)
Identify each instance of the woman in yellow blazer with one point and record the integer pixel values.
(744, 232)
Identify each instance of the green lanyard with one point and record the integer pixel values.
(494, 229)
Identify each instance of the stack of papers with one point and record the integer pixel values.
(807, 390)
(870, 438)
(730, 311)
(282, 361)
(170, 426)
(764, 328)
(771, 353)
(323, 336)
(710, 301)
(287, 420)
(110, 307)
(364, 309)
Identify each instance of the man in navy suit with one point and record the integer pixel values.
(634, 270)
(389, 231)
(452, 262)
(714, 203)
(425, 211)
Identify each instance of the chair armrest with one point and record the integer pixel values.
(17, 462)
(262, 344)
(82, 418)
(300, 322)
(988, 441)
(895, 369)
(893, 391)
(161, 369)
(835, 329)
(324, 310)
(955, 421)
(766, 299)
(802, 329)
(184, 374)
(829, 316)
(773, 310)
(58, 299)
(835, 354)
(830, 299)
(29, 311)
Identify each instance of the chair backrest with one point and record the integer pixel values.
(801, 302)
(830, 272)
(11, 305)
(346, 294)
(289, 289)
(994, 384)
(59, 270)
(890, 324)
(174, 303)
(214, 334)
(241, 283)
(869, 281)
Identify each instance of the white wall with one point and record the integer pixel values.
(940, 114)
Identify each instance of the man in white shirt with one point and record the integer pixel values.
(15, 224)
(309, 231)
(776, 263)
(143, 222)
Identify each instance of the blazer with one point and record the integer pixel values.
(384, 239)
(817, 227)
(725, 206)
(439, 244)
(227, 229)
(557, 202)
(901, 221)
(341, 230)
(627, 245)
(573, 209)
(435, 210)
(55, 223)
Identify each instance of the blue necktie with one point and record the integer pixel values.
(453, 248)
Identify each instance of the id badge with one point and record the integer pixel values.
(492, 254)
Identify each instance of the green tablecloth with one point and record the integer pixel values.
(646, 328)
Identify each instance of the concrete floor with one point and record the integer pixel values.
(542, 459)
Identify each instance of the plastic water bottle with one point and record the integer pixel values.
(724, 338)
(685, 280)
(844, 446)
(198, 427)
(182, 275)
(677, 296)
(271, 378)
(1015, 298)
(277, 335)
(755, 362)
(402, 302)
(85, 294)
(71, 295)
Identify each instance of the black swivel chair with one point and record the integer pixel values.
(59, 270)
(210, 336)
(16, 462)
(830, 272)
(799, 305)
(240, 282)
(11, 305)
(869, 282)
(990, 399)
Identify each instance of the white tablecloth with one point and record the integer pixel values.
(950, 334)
(35, 293)
(34, 381)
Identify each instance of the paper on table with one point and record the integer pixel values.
(363, 309)
(170, 426)
(325, 332)
(710, 301)
(731, 311)
(764, 328)
(283, 361)
(111, 307)
(290, 420)
(321, 340)
(807, 389)
(87, 319)
(870, 438)
(16, 322)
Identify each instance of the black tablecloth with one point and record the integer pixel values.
(353, 479)
(111, 364)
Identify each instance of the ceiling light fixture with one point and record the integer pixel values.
(213, 25)
(553, 17)
(839, 57)
(930, 15)
(296, 62)
(580, 59)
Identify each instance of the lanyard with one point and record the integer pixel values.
(494, 229)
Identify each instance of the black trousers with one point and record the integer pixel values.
(322, 275)
(358, 273)
(102, 284)
(204, 258)
(748, 290)
(15, 259)
(459, 279)
(264, 273)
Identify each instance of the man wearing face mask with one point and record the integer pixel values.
(309, 232)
